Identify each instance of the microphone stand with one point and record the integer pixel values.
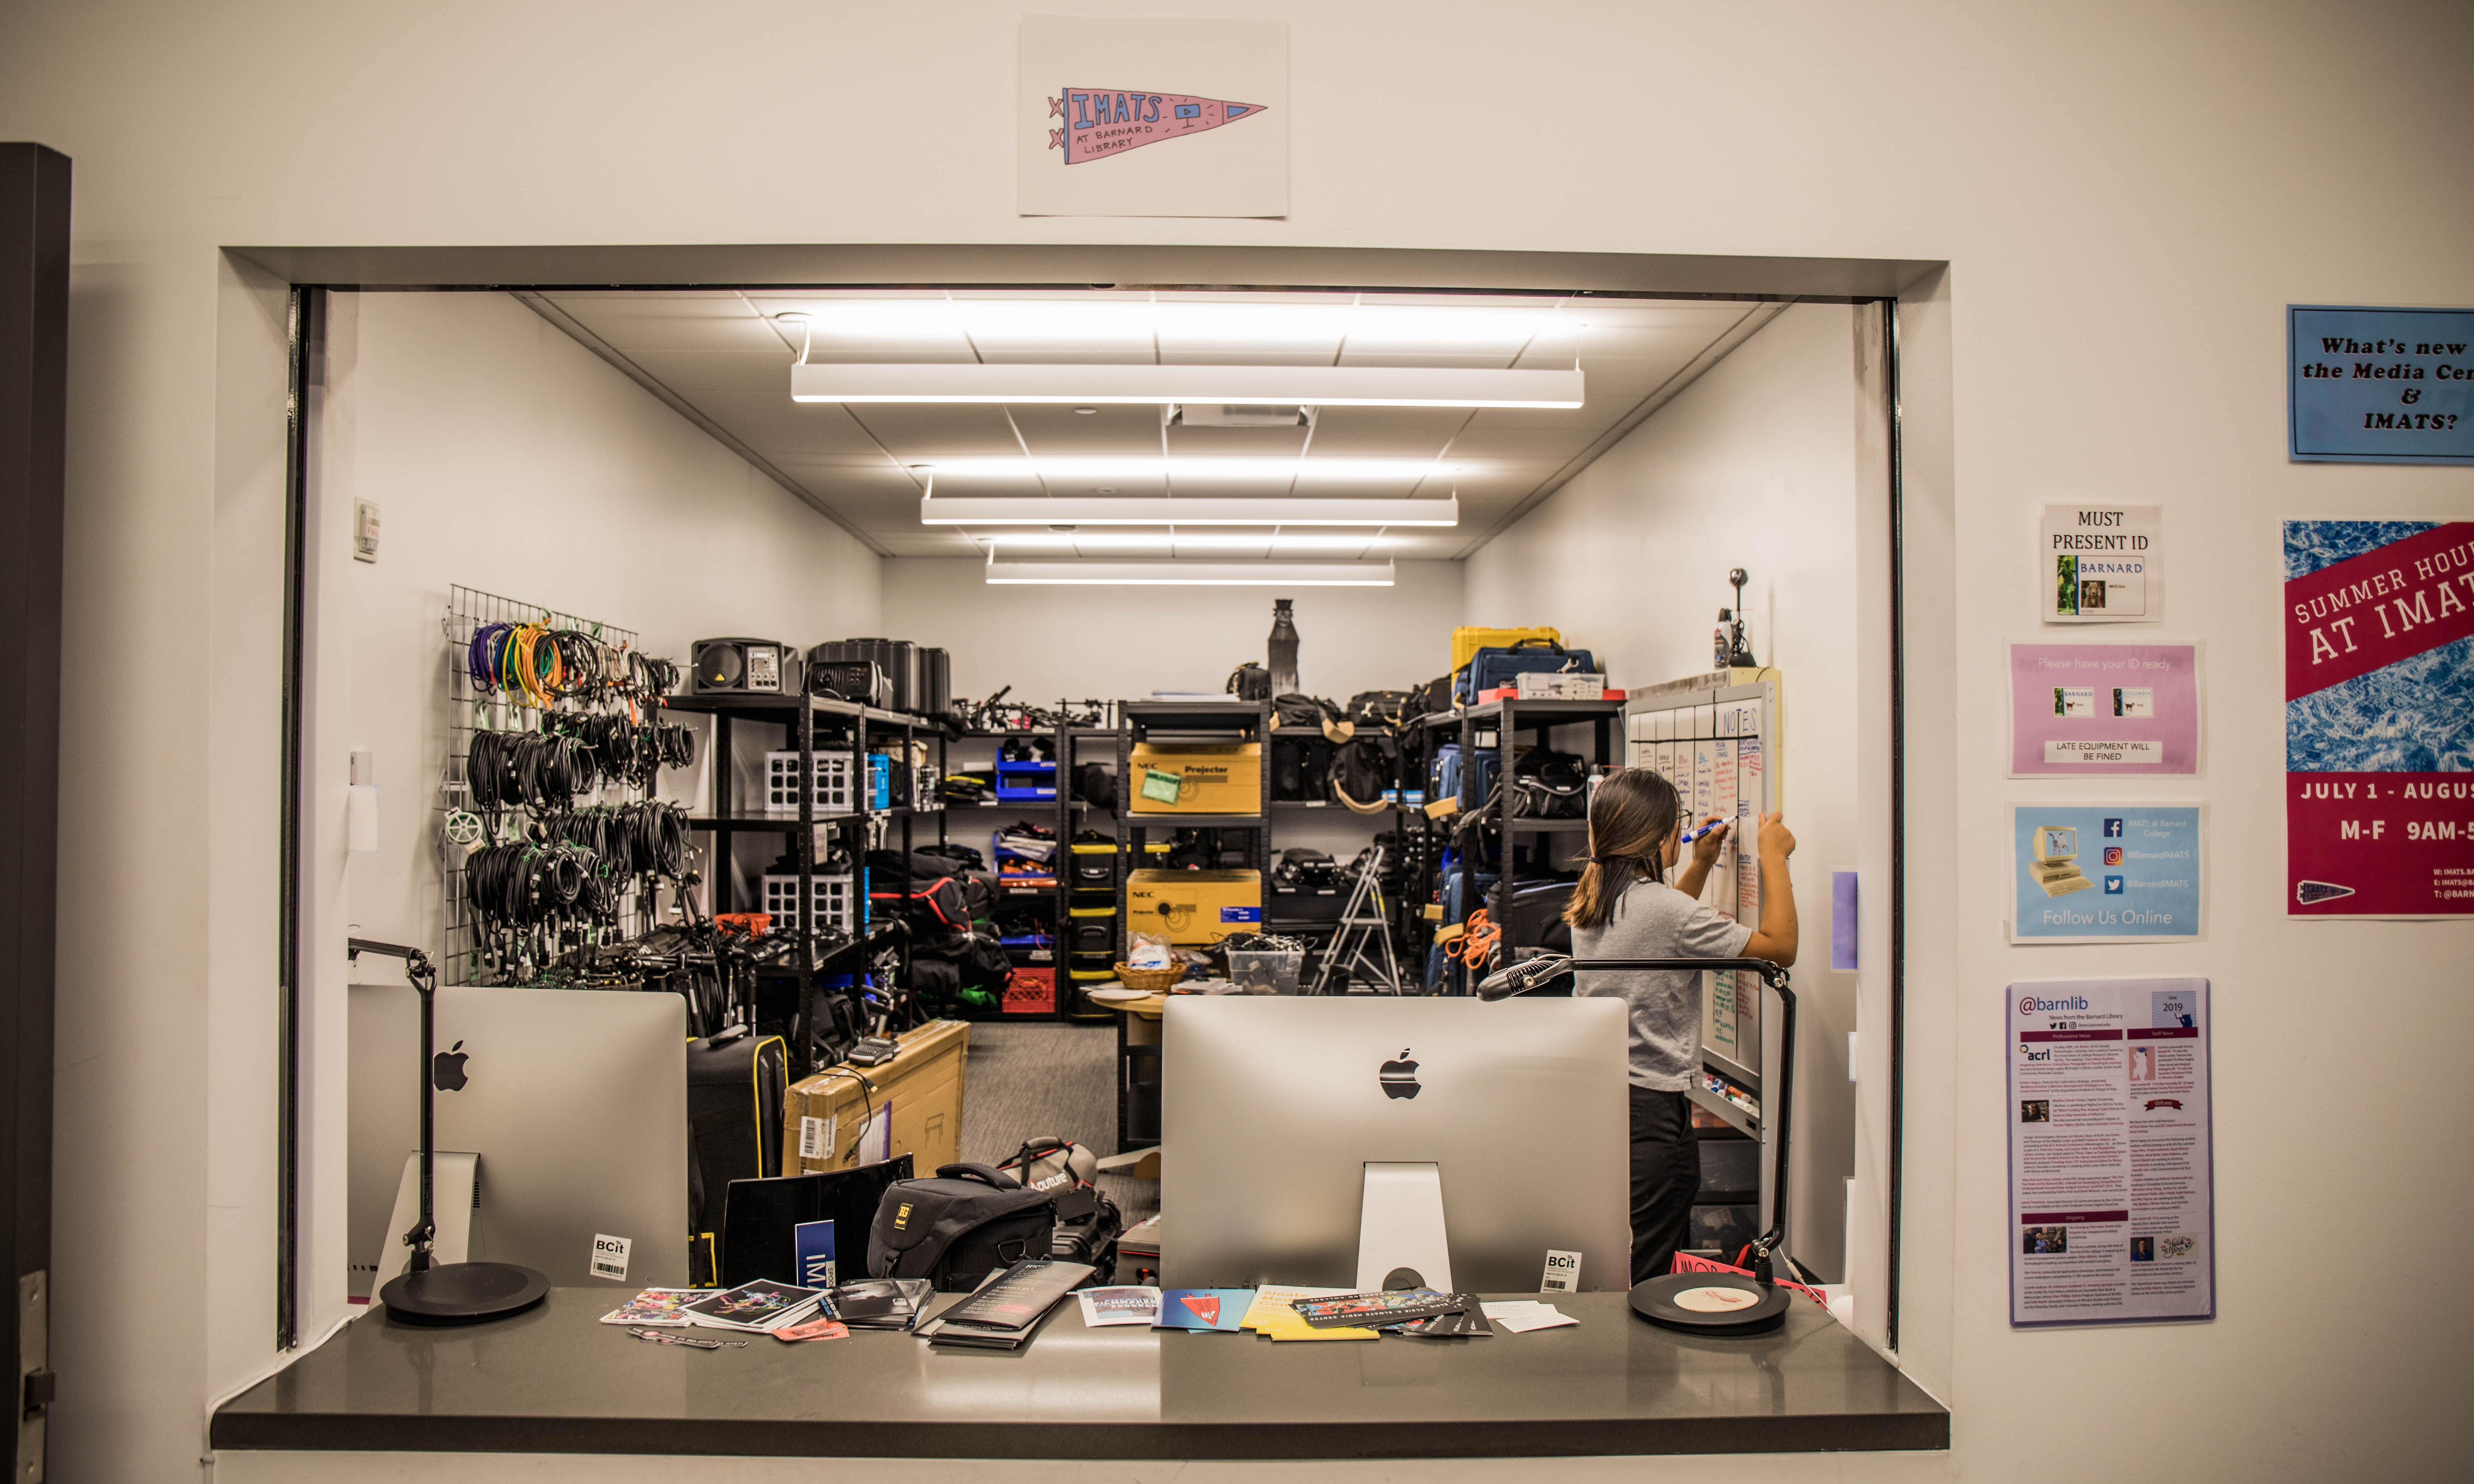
(1655, 1299)
(429, 1292)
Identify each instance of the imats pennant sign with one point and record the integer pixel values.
(1102, 121)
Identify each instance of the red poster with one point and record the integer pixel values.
(2379, 719)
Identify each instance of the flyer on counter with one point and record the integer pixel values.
(2099, 563)
(2099, 873)
(2092, 710)
(2112, 1162)
(2379, 735)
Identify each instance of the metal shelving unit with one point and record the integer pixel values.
(852, 727)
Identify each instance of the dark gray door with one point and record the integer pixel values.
(34, 397)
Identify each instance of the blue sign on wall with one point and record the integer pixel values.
(2379, 386)
(2099, 873)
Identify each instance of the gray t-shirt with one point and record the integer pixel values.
(1653, 920)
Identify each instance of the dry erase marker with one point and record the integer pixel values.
(1689, 835)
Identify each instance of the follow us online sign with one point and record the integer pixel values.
(2105, 872)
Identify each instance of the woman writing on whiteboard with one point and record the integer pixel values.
(1623, 909)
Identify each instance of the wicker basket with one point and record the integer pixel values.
(1150, 981)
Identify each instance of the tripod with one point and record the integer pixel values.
(1364, 926)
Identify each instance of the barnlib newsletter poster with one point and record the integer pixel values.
(2378, 728)
(2112, 1184)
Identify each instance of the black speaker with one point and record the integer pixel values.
(852, 680)
(898, 658)
(935, 682)
(743, 666)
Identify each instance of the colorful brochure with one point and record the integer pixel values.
(1102, 1307)
(665, 1307)
(761, 1306)
(1204, 1309)
(1272, 1314)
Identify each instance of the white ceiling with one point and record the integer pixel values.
(721, 357)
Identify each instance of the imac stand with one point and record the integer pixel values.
(1400, 1241)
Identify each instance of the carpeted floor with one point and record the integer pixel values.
(1032, 1078)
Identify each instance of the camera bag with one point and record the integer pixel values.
(955, 1228)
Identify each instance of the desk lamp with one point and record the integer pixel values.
(1712, 1303)
(430, 1291)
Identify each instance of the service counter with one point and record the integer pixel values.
(557, 1380)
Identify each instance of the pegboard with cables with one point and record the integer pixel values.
(550, 839)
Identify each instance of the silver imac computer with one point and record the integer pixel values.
(574, 1103)
(1336, 1142)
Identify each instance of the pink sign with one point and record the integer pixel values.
(1101, 122)
(2104, 710)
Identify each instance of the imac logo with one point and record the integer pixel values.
(1399, 1079)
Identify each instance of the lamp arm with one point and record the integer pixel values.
(417, 967)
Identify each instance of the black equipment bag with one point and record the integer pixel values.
(1548, 785)
(1380, 708)
(1363, 767)
(1433, 698)
(1096, 784)
(1251, 682)
(956, 1229)
(1300, 767)
(737, 1086)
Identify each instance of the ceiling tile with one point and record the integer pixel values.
(754, 373)
(1390, 432)
(922, 434)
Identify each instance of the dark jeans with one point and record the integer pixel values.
(1665, 1175)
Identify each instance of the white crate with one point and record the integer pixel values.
(832, 782)
(836, 899)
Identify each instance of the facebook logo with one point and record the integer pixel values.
(2113, 886)
(2113, 828)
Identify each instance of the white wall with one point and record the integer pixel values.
(1114, 643)
(1753, 466)
(2127, 195)
(508, 458)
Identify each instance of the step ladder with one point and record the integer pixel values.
(1364, 927)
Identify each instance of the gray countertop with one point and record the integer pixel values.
(557, 1380)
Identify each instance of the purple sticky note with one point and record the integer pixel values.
(1842, 920)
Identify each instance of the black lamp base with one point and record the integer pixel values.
(462, 1293)
(1709, 1304)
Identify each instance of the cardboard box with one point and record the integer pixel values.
(1194, 907)
(1223, 778)
(911, 1105)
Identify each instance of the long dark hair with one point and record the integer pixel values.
(1631, 815)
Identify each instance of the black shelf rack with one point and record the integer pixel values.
(1509, 721)
(847, 727)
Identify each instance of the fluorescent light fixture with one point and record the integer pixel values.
(1247, 574)
(1185, 510)
(1323, 386)
(1197, 469)
(1183, 541)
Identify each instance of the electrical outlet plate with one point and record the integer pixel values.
(365, 530)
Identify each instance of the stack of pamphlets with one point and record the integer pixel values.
(1427, 1312)
(1004, 1311)
(760, 1307)
(1273, 1313)
(664, 1308)
(880, 1302)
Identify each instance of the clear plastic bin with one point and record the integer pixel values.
(1266, 972)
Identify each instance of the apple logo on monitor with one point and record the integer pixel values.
(1398, 1078)
(447, 1069)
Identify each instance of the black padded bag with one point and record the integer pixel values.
(1548, 785)
(970, 1221)
(737, 1084)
